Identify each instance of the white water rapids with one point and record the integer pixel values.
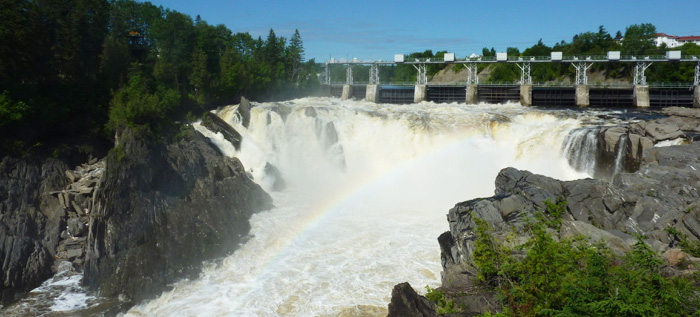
(367, 190)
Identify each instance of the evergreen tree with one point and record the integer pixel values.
(295, 57)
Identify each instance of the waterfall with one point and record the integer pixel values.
(581, 149)
(361, 191)
(620, 155)
(367, 189)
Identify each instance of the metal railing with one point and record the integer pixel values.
(534, 84)
(517, 59)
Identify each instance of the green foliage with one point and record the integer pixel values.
(690, 247)
(117, 152)
(444, 306)
(489, 256)
(66, 68)
(552, 214)
(637, 40)
(141, 106)
(11, 111)
(572, 277)
(404, 73)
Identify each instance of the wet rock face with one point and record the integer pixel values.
(621, 148)
(162, 209)
(30, 222)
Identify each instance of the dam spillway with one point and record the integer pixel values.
(554, 95)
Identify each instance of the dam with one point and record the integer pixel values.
(639, 93)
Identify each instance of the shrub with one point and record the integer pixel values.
(573, 277)
(444, 306)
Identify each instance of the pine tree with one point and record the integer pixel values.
(295, 57)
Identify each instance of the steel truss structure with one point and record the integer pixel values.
(422, 78)
(525, 78)
(348, 75)
(581, 68)
(374, 74)
(639, 78)
(472, 74)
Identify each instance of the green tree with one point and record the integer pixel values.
(142, 106)
(638, 38)
(295, 57)
(174, 41)
(513, 51)
(199, 76)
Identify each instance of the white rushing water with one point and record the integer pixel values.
(60, 295)
(367, 190)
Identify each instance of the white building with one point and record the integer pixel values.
(672, 41)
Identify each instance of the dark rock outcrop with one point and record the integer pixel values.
(30, 222)
(162, 209)
(274, 173)
(217, 125)
(405, 302)
(244, 110)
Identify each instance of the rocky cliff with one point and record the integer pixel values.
(162, 209)
(31, 221)
(143, 218)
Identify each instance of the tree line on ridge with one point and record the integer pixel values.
(75, 71)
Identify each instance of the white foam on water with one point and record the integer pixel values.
(368, 188)
(60, 294)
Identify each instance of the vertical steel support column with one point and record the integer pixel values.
(472, 75)
(348, 75)
(639, 78)
(373, 74)
(581, 68)
(525, 78)
(422, 78)
(327, 75)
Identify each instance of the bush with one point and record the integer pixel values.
(572, 277)
(444, 306)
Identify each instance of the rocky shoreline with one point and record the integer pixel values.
(663, 192)
(137, 221)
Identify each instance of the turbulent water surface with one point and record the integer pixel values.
(367, 190)
(362, 194)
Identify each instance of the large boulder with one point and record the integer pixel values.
(30, 222)
(162, 209)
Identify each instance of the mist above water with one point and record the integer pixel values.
(367, 190)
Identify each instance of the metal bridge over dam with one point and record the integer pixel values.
(580, 93)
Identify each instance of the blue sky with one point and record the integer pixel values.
(379, 29)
